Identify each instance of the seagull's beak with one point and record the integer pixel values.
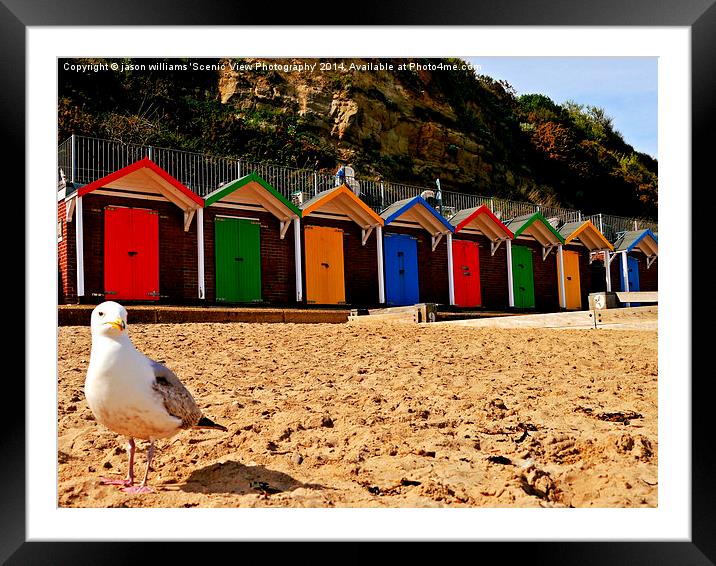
(118, 324)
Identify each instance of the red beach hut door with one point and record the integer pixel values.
(466, 272)
(131, 254)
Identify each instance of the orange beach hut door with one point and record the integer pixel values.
(571, 280)
(325, 284)
(131, 254)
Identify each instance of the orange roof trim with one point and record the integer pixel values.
(342, 192)
(594, 233)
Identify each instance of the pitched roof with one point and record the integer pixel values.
(344, 202)
(416, 210)
(481, 219)
(252, 189)
(587, 233)
(644, 240)
(536, 226)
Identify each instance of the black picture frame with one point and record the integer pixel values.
(698, 15)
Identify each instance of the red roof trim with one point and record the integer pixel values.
(141, 164)
(484, 209)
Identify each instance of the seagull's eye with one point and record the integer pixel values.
(100, 313)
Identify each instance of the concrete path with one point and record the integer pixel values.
(636, 318)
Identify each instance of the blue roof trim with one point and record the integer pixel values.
(647, 232)
(413, 202)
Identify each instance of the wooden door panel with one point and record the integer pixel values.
(401, 270)
(523, 277)
(466, 273)
(145, 254)
(325, 280)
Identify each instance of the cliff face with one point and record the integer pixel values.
(387, 123)
(411, 126)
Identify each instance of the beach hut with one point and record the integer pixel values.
(480, 266)
(249, 246)
(534, 277)
(134, 238)
(637, 269)
(582, 241)
(342, 263)
(418, 264)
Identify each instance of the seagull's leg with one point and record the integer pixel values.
(150, 455)
(130, 475)
(143, 487)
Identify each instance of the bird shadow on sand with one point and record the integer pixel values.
(236, 478)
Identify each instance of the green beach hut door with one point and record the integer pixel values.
(523, 277)
(238, 259)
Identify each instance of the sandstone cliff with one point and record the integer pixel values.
(412, 126)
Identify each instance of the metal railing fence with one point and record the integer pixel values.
(84, 159)
(611, 226)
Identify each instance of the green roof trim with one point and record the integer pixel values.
(521, 223)
(221, 192)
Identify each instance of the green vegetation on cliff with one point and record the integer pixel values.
(471, 131)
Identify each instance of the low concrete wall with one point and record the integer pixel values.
(79, 315)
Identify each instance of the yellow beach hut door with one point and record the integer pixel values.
(325, 284)
(571, 280)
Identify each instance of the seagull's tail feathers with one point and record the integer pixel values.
(205, 422)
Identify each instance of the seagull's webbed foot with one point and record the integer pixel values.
(113, 481)
(137, 489)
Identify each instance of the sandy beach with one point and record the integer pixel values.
(380, 415)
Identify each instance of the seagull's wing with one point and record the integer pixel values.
(177, 399)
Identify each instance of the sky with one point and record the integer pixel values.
(625, 87)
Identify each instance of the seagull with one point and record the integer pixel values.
(133, 395)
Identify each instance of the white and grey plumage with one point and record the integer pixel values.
(133, 395)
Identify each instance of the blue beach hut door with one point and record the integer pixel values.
(401, 269)
(633, 274)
